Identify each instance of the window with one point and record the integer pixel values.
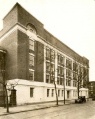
(61, 81)
(74, 76)
(68, 82)
(75, 67)
(31, 60)
(52, 55)
(69, 63)
(31, 92)
(68, 73)
(75, 83)
(58, 80)
(47, 78)
(47, 66)
(31, 75)
(52, 94)
(62, 93)
(58, 58)
(58, 93)
(31, 44)
(31, 28)
(61, 70)
(47, 53)
(52, 79)
(62, 60)
(52, 68)
(58, 70)
(48, 91)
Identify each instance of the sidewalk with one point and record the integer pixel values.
(31, 107)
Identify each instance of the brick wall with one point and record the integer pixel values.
(22, 56)
(39, 62)
(10, 44)
(9, 20)
(24, 18)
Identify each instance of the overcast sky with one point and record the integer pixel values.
(71, 21)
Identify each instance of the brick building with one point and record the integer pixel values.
(36, 60)
(91, 89)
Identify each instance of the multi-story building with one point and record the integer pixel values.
(37, 62)
(91, 89)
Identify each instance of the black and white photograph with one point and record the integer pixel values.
(47, 59)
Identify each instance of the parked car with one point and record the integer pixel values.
(81, 99)
(93, 98)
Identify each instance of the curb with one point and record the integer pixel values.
(5, 113)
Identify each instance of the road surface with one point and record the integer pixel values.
(72, 111)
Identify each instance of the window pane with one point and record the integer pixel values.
(68, 73)
(58, 93)
(31, 44)
(51, 79)
(58, 58)
(52, 93)
(52, 55)
(31, 92)
(68, 63)
(31, 75)
(48, 92)
(58, 80)
(47, 66)
(31, 60)
(47, 53)
(47, 78)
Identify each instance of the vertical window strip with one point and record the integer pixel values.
(31, 60)
(31, 44)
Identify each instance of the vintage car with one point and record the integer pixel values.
(81, 99)
(93, 97)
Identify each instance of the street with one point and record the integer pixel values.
(72, 111)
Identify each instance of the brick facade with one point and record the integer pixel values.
(16, 40)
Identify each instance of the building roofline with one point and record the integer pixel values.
(17, 4)
(11, 10)
(65, 45)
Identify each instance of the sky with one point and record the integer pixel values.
(71, 21)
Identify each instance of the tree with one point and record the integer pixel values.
(82, 75)
(50, 56)
(6, 85)
(52, 72)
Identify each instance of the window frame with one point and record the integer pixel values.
(48, 92)
(31, 44)
(31, 62)
(30, 76)
(52, 93)
(31, 92)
